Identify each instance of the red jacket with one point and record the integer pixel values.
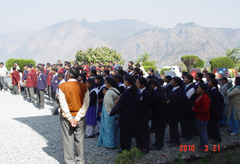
(201, 108)
(36, 78)
(61, 71)
(44, 70)
(49, 78)
(15, 77)
(31, 80)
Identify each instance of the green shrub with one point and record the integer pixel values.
(148, 64)
(20, 62)
(221, 62)
(200, 64)
(164, 69)
(128, 157)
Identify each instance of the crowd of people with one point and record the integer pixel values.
(123, 104)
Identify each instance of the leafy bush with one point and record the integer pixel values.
(189, 61)
(148, 64)
(99, 54)
(200, 64)
(128, 157)
(164, 69)
(20, 62)
(221, 62)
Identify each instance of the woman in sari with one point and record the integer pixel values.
(109, 132)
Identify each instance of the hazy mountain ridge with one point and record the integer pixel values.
(131, 37)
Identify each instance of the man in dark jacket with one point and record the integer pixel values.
(41, 87)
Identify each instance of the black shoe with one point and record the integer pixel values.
(55, 113)
(97, 134)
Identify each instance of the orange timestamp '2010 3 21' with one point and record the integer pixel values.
(214, 148)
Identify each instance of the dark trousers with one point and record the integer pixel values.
(3, 83)
(142, 136)
(160, 132)
(15, 89)
(40, 98)
(187, 125)
(31, 93)
(55, 102)
(126, 133)
(26, 91)
(213, 129)
(174, 134)
(35, 90)
(49, 92)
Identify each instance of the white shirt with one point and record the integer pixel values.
(174, 88)
(64, 106)
(3, 71)
(190, 92)
(141, 90)
(197, 83)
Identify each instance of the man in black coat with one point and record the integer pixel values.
(215, 110)
(175, 107)
(158, 107)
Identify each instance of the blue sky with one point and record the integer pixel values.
(34, 15)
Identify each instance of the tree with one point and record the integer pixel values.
(233, 54)
(99, 54)
(189, 61)
(20, 62)
(200, 64)
(149, 64)
(221, 62)
(145, 57)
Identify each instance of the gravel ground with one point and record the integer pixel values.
(33, 136)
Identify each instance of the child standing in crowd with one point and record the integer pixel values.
(91, 112)
(54, 85)
(67, 67)
(144, 112)
(121, 86)
(24, 79)
(225, 85)
(30, 83)
(175, 108)
(202, 116)
(128, 109)
(15, 81)
(61, 80)
(41, 87)
(109, 132)
(233, 107)
(100, 85)
(216, 108)
(49, 79)
(158, 106)
(187, 123)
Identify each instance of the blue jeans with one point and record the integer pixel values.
(202, 130)
(224, 122)
(233, 124)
